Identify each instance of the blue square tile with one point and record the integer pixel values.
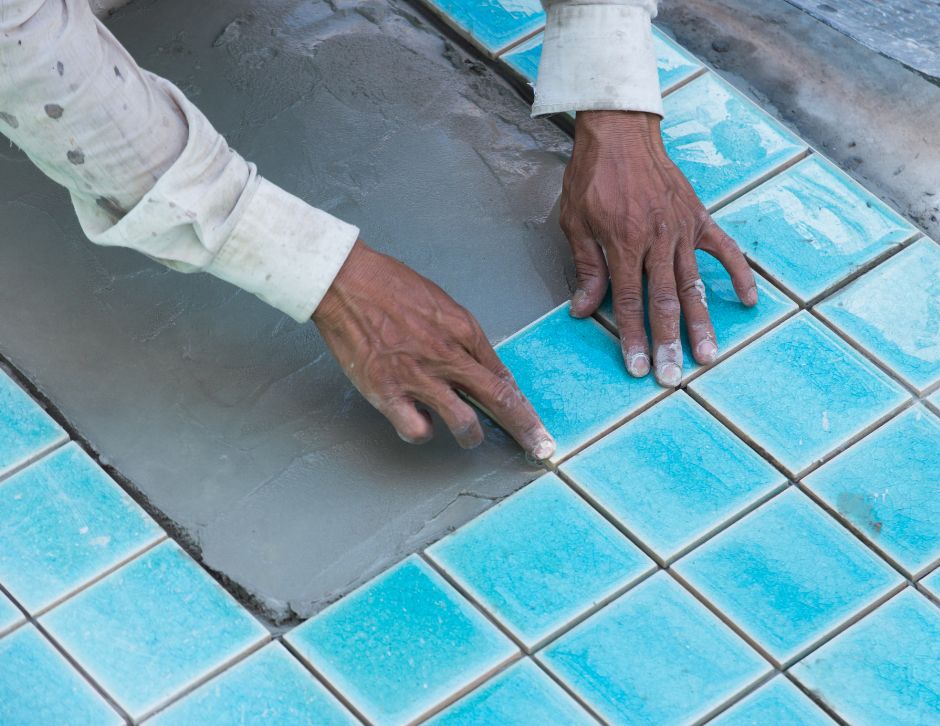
(65, 522)
(270, 686)
(160, 618)
(540, 559)
(492, 24)
(887, 486)
(654, 656)
(25, 429)
(934, 400)
(787, 574)
(884, 669)
(522, 695)
(799, 392)
(10, 615)
(779, 703)
(673, 475)
(401, 644)
(39, 688)
(573, 373)
(894, 313)
(931, 583)
(811, 226)
(721, 141)
(524, 58)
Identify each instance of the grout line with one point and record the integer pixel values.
(700, 71)
(766, 176)
(36, 456)
(816, 699)
(736, 697)
(512, 45)
(563, 684)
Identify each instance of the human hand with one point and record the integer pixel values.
(623, 196)
(402, 340)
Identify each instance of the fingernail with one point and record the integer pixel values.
(543, 449)
(638, 364)
(707, 351)
(577, 301)
(669, 374)
(752, 296)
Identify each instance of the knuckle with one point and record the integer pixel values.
(665, 303)
(629, 300)
(505, 396)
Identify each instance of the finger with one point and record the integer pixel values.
(719, 245)
(694, 304)
(590, 270)
(664, 311)
(627, 280)
(459, 417)
(412, 425)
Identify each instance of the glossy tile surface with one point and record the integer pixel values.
(540, 558)
(270, 686)
(25, 429)
(38, 687)
(10, 615)
(654, 656)
(932, 583)
(811, 226)
(787, 574)
(799, 392)
(494, 24)
(894, 313)
(401, 644)
(522, 695)
(573, 373)
(779, 703)
(885, 668)
(673, 475)
(64, 522)
(160, 618)
(721, 141)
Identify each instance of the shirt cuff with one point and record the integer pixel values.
(597, 58)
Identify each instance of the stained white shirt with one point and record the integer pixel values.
(146, 170)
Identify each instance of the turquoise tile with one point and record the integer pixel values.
(540, 559)
(894, 313)
(654, 656)
(884, 669)
(787, 574)
(720, 140)
(25, 429)
(492, 24)
(799, 392)
(160, 618)
(270, 686)
(524, 58)
(931, 583)
(10, 615)
(734, 322)
(935, 399)
(779, 703)
(522, 695)
(673, 475)
(65, 522)
(887, 486)
(401, 644)
(811, 226)
(573, 373)
(39, 688)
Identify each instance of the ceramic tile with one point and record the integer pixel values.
(65, 522)
(779, 703)
(654, 656)
(493, 24)
(573, 373)
(38, 687)
(522, 695)
(893, 312)
(673, 475)
(10, 615)
(811, 226)
(787, 574)
(931, 583)
(160, 618)
(799, 392)
(720, 140)
(401, 644)
(884, 669)
(934, 399)
(270, 686)
(886, 485)
(540, 559)
(25, 429)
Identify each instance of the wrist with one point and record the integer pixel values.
(342, 291)
(619, 130)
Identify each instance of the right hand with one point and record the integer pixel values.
(402, 341)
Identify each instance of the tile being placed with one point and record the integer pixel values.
(799, 392)
(63, 523)
(779, 703)
(884, 669)
(492, 24)
(25, 429)
(519, 696)
(888, 486)
(893, 312)
(721, 141)
(573, 373)
(787, 574)
(654, 656)
(38, 687)
(10, 615)
(540, 559)
(270, 686)
(401, 644)
(153, 628)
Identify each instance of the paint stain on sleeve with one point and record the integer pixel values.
(76, 156)
(10, 119)
(53, 110)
